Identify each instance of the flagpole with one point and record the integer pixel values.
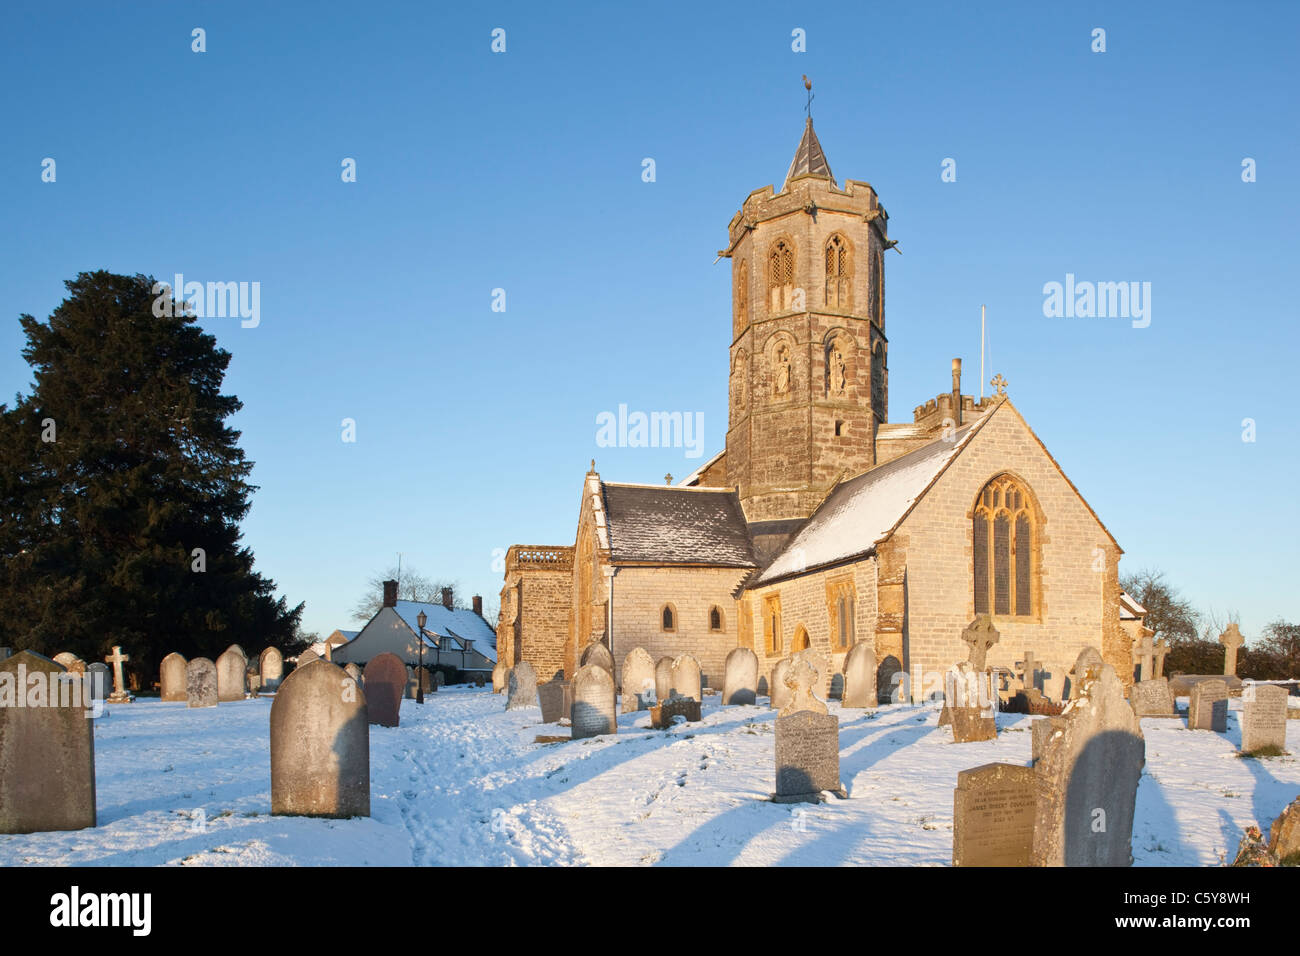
(981, 353)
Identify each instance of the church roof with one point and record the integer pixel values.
(863, 511)
(809, 159)
(666, 524)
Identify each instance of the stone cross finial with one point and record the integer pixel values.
(1142, 653)
(668, 478)
(980, 635)
(593, 467)
(1030, 666)
(999, 383)
(1159, 651)
(1231, 639)
(799, 679)
(117, 659)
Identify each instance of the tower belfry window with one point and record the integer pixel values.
(839, 274)
(780, 276)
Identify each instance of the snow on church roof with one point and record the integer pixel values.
(668, 524)
(863, 511)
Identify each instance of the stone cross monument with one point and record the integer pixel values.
(1231, 639)
(117, 659)
(980, 635)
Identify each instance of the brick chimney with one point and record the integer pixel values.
(390, 594)
(478, 604)
(446, 598)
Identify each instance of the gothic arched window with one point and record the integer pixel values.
(668, 618)
(715, 619)
(839, 274)
(772, 623)
(780, 276)
(801, 642)
(1004, 549)
(878, 379)
(878, 290)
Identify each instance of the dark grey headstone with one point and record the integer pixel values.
(385, 686)
(1151, 698)
(553, 696)
(521, 687)
(47, 747)
(807, 757)
(200, 683)
(593, 711)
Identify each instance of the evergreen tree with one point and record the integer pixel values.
(113, 471)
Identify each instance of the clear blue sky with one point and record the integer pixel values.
(522, 171)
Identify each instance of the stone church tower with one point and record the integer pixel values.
(809, 370)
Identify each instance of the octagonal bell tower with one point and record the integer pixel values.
(809, 356)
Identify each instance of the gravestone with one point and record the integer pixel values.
(740, 677)
(860, 676)
(521, 687)
(437, 679)
(270, 665)
(593, 712)
(800, 679)
(70, 662)
(119, 695)
(308, 657)
(891, 681)
(413, 687)
(320, 744)
(171, 678)
(353, 671)
(1087, 779)
(1040, 732)
(973, 724)
(1143, 654)
(253, 679)
(807, 756)
(970, 704)
(1158, 654)
(1263, 718)
(638, 680)
(97, 680)
(993, 816)
(596, 653)
(201, 683)
(980, 635)
(1231, 640)
(554, 698)
(47, 747)
(231, 667)
(821, 664)
(499, 674)
(663, 678)
(1207, 707)
(662, 714)
(1087, 666)
(685, 678)
(385, 685)
(1284, 835)
(780, 692)
(1151, 698)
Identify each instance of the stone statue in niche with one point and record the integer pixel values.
(837, 371)
(783, 370)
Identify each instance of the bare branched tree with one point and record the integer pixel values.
(411, 586)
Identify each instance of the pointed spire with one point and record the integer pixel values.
(809, 160)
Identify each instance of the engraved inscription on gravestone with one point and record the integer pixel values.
(993, 816)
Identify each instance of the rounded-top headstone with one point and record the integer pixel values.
(597, 653)
(686, 677)
(663, 678)
(70, 662)
(320, 745)
(171, 678)
(238, 650)
(780, 693)
(270, 665)
(499, 674)
(860, 676)
(740, 677)
(593, 702)
(201, 683)
(638, 680)
(47, 747)
(231, 668)
(385, 686)
(521, 687)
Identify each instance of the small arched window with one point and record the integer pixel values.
(742, 294)
(668, 618)
(715, 619)
(839, 274)
(878, 380)
(772, 623)
(1004, 549)
(801, 642)
(780, 276)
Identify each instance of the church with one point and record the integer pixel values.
(822, 523)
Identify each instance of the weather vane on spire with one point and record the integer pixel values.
(807, 85)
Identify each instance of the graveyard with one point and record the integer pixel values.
(462, 781)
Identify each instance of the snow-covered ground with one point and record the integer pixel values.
(462, 782)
